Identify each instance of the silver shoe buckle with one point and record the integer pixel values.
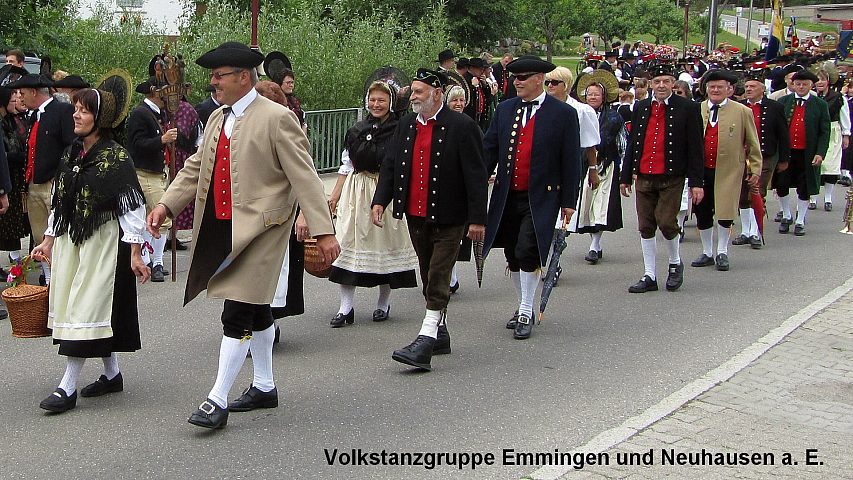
(523, 319)
(210, 407)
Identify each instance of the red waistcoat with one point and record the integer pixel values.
(31, 153)
(652, 162)
(521, 173)
(797, 128)
(416, 205)
(221, 185)
(756, 116)
(711, 139)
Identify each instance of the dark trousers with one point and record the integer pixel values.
(768, 166)
(658, 201)
(794, 176)
(517, 234)
(241, 319)
(437, 246)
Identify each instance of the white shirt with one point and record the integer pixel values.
(152, 106)
(41, 108)
(238, 110)
(711, 120)
(424, 122)
(533, 110)
(588, 120)
(132, 224)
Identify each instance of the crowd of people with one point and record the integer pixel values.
(471, 155)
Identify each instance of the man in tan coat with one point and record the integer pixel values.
(731, 146)
(247, 178)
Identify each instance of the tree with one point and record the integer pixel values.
(553, 19)
(614, 19)
(34, 25)
(661, 19)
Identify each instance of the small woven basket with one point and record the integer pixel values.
(27, 305)
(314, 264)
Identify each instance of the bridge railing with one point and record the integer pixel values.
(326, 130)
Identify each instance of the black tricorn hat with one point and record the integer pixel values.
(7, 71)
(794, 67)
(71, 81)
(275, 64)
(477, 62)
(529, 63)
(31, 81)
(230, 54)
(805, 75)
(661, 70)
(719, 74)
(431, 77)
(445, 55)
(146, 86)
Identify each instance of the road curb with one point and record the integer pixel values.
(634, 425)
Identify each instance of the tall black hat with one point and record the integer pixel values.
(445, 55)
(230, 54)
(462, 63)
(71, 81)
(529, 63)
(757, 74)
(477, 62)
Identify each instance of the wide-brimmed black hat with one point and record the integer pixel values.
(611, 53)
(431, 77)
(230, 54)
(114, 89)
(10, 73)
(805, 75)
(445, 55)
(629, 56)
(275, 64)
(31, 81)
(719, 74)
(530, 63)
(462, 63)
(71, 81)
(794, 67)
(661, 70)
(146, 86)
(477, 62)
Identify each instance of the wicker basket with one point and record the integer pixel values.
(314, 264)
(27, 305)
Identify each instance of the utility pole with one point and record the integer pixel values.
(712, 28)
(686, 26)
(749, 28)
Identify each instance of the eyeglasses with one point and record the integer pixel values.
(521, 76)
(553, 82)
(219, 76)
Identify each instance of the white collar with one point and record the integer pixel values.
(241, 105)
(152, 106)
(43, 105)
(424, 122)
(214, 100)
(540, 98)
(808, 95)
(721, 104)
(665, 100)
(750, 102)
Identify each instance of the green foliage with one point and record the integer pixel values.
(661, 19)
(548, 20)
(615, 19)
(34, 25)
(332, 53)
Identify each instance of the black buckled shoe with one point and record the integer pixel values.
(722, 262)
(827, 206)
(799, 230)
(740, 240)
(417, 354)
(180, 246)
(442, 341)
(785, 225)
(512, 321)
(523, 328)
(755, 242)
(593, 257)
(381, 315)
(646, 284)
(59, 401)
(157, 274)
(103, 386)
(340, 319)
(151, 266)
(778, 217)
(675, 277)
(209, 415)
(812, 205)
(702, 261)
(454, 287)
(253, 398)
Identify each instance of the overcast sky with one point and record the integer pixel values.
(162, 12)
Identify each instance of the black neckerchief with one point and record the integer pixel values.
(94, 188)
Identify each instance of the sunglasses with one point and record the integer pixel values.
(521, 76)
(553, 82)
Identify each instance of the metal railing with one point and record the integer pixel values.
(326, 130)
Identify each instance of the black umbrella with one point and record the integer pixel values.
(479, 261)
(553, 275)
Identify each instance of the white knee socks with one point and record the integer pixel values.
(347, 295)
(746, 215)
(723, 235)
(159, 245)
(72, 372)
(596, 241)
(674, 249)
(649, 253)
(384, 297)
(753, 223)
(453, 277)
(707, 237)
(827, 192)
(682, 215)
(111, 366)
(785, 203)
(232, 354)
(529, 282)
(802, 210)
(429, 327)
(261, 348)
(45, 267)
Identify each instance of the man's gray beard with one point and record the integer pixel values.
(425, 106)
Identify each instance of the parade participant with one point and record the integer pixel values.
(809, 129)
(445, 60)
(370, 257)
(434, 173)
(13, 223)
(246, 207)
(731, 144)
(538, 181)
(455, 100)
(188, 124)
(481, 95)
(461, 67)
(288, 83)
(51, 131)
(839, 137)
(206, 107)
(769, 118)
(659, 168)
(94, 238)
(629, 68)
(686, 74)
(146, 143)
(847, 155)
(599, 206)
(502, 76)
(787, 75)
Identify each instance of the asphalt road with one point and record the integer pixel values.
(743, 22)
(601, 355)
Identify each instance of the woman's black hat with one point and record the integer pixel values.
(231, 54)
